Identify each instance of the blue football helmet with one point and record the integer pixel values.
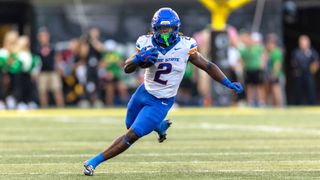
(169, 18)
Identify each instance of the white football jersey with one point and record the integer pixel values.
(162, 80)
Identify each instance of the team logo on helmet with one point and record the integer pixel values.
(165, 22)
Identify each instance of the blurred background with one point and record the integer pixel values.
(57, 53)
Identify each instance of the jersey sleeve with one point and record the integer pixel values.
(193, 46)
(141, 41)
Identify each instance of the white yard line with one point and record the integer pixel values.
(233, 127)
(268, 148)
(67, 119)
(257, 128)
(161, 171)
(148, 163)
(182, 112)
(162, 154)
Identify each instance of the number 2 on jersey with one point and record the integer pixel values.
(164, 68)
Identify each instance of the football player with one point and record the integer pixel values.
(167, 53)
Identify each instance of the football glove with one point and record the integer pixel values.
(146, 55)
(233, 85)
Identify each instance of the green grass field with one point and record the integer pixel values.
(215, 143)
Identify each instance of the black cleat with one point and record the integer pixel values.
(163, 137)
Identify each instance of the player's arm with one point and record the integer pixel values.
(145, 55)
(214, 71)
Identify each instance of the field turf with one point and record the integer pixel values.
(213, 143)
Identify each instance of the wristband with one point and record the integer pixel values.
(135, 60)
(226, 82)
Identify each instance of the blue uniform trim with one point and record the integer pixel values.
(226, 82)
(193, 46)
(166, 49)
(95, 161)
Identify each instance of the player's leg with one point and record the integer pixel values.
(161, 107)
(134, 106)
(118, 146)
(148, 120)
(145, 123)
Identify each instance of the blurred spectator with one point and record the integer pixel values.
(81, 71)
(252, 56)
(275, 73)
(131, 81)
(234, 61)
(6, 53)
(112, 74)
(305, 63)
(25, 68)
(204, 86)
(72, 89)
(93, 60)
(187, 93)
(49, 79)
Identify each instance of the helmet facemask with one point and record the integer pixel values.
(166, 37)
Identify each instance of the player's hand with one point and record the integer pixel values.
(237, 87)
(146, 55)
(233, 85)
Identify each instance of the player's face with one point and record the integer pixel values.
(165, 29)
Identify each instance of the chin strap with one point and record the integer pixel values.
(166, 37)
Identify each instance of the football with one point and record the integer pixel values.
(147, 64)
